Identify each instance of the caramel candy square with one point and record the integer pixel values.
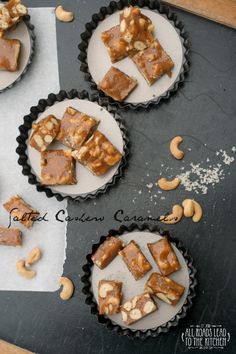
(10, 236)
(57, 167)
(164, 256)
(109, 296)
(153, 62)
(137, 308)
(10, 14)
(76, 128)
(135, 28)
(117, 84)
(164, 288)
(19, 209)
(135, 260)
(116, 46)
(98, 154)
(45, 131)
(9, 54)
(107, 251)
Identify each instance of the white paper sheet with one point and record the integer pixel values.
(41, 79)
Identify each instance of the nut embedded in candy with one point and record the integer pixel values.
(109, 296)
(137, 307)
(135, 260)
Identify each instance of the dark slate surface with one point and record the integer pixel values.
(203, 111)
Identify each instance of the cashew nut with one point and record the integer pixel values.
(68, 288)
(33, 256)
(188, 208)
(176, 216)
(174, 147)
(63, 15)
(166, 185)
(23, 271)
(197, 211)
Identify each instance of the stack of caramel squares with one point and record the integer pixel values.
(158, 285)
(85, 144)
(10, 15)
(133, 38)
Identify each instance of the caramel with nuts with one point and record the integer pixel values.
(164, 288)
(137, 308)
(98, 154)
(57, 167)
(10, 236)
(109, 296)
(45, 131)
(164, 256)
(135, 28)
(135, 260)
(76, 128)
(115, 45)
(9, 54)
(10, 14)
(107, 251)
(21, 210)
(153, 62)
(117, 84)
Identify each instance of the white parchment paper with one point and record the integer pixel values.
(41, 79)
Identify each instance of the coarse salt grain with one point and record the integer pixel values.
(199, 178)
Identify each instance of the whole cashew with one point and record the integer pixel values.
(174, 147)
(197, 211)
(63, 15)
(33, 256)
(166, 185)
(23, 271)
(176, 216)
(188, 208)
(68, 288)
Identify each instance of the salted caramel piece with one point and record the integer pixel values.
(8, 348)
(76, 128)
(22, 211)
(136, 29)
(107, 251)
(10, 236)
(57, 167)
(9, 54)
(135, 260)
(153, 62)
(137, 308)
(117, 84)
(10, 14)
(109, 296)
(98, 154)
(116, 46)
(164, 288)
(45, 131)
(164, 256)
